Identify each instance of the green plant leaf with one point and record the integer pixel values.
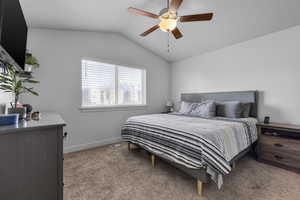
(7, 87)
(19, 84)
(5, 81)
(9, 82)
(5, 90)
(3, 76)
(31, 60)
(30, 90)
(10, 70)
(30, 81)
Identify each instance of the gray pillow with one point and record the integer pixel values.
(246, 110)
(204, 109)
(230, 109)
(185, 107)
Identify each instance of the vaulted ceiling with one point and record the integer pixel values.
(234, 21)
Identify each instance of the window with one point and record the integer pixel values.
(111, 85)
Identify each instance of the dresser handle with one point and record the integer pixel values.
(278, 145)
(275, 134)
(278, 157)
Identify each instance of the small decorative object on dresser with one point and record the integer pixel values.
(9, 119)
(28, 108)
(267, 120)
(279, 145)
(169, 106)
(35, 116)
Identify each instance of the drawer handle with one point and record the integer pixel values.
(278, 145)
(275, 134)
(271, 134)
(278, 157)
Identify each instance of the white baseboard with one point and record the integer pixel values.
(100, 143)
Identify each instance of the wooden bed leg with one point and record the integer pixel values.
(152, 160)
(200, 187)
(233, 165)
(129, 146)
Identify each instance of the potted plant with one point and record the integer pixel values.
(11, 83)
(31, 62)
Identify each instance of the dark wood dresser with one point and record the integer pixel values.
(31, 155)
(279, 145)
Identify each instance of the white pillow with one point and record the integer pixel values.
(204, 109)
(185, 107)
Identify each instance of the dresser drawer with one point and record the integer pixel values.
(280, 158)
(273, 143)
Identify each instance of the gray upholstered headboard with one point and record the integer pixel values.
(242, 96)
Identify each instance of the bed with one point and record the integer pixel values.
(204, 148)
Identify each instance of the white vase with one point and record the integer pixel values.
(28, 68)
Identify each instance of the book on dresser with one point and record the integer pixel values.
(279, 145)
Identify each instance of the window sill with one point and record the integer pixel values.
(112, 108)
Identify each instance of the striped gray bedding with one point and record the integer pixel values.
(192, 141)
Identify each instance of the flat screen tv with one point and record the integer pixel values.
(13, 33)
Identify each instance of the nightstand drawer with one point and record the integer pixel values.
(281, 158)
(280, 133)
(280, 144)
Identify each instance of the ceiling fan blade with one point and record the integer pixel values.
(150, 30)
(177, 34)
(142, 12)
(199, 17)
(175, 4)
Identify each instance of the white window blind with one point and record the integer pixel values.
(108, 85)
(130, 87)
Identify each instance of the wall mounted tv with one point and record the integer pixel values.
(13, 34)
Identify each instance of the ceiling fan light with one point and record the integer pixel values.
(167, 25)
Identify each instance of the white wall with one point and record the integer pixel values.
(270, 64)
(60, 54)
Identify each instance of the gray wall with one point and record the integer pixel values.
(60, 53)
(270, 64)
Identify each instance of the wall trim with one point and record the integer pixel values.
(80, 147)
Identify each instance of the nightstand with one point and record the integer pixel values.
(279, 145)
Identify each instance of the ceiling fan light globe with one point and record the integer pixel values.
(167, 25)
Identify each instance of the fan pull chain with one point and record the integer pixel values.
(169, 42)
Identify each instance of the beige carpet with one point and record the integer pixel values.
(111, 172)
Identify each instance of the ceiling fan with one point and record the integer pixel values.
(168, 18)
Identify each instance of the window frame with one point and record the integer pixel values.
(116, 106)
